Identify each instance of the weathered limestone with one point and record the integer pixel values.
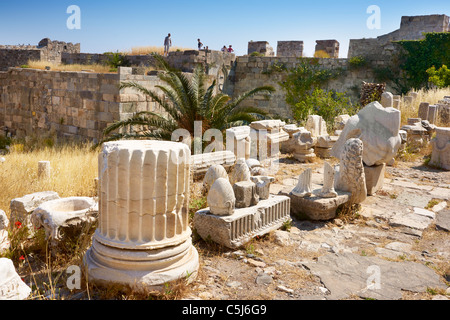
(374, 176)
(316, 125)
(11, 285)
(255, 167)
(245, 224)
(316, 208)
(432, 114)
(221, 198)
(378, 128)
(331, 47)
(262, 186)
(423, 110)
(290, 129)
(417, 135)
(303, 146)
(240, 172)
(4, 237)
(387, 100)
(143, 239)
(239, 141)
(340, 121)
(245, 194)
(324, 145)
(440, 156)
(327, 190)
(22, 208)
(261, 47)
(290, 49)
(266, 137)
(55, 215)
(303, 188)
(200, 163)
(214, 172)
(350, 177)
(44, 169)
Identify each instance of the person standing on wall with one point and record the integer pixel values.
(230, 49)
(224, 49)
(200, 44)
(167, 45)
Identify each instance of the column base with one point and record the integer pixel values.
(141, 270)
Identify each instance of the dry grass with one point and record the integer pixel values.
(74, 169)
(41, 65)
(431, 96)
(153, 49)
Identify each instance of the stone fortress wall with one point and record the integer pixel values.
(80, 105)
(73, 105)
(46, 50)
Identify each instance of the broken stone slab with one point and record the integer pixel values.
(443, 220)
(440, 193)
(411, 221)
(374, 178)
(11, 285)
(245, 224)
(314, 207)
(56, 215)
(22, 208)
(378, 128)
(346, 274)
(200, 163)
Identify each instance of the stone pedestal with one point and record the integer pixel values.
(374, 178)
(143, 238)
(440, 156)
(245, 223)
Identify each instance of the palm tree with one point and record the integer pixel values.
(187, 99)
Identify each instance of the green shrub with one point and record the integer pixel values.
(357, 62)
(440, 78)
(117, 59)
(327, 104)
(301, 81)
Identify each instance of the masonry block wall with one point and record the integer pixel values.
(290, 49)
(251, 72)
(411, 28)
(46, 50)
(74, 105)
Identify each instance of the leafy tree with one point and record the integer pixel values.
(185, 99)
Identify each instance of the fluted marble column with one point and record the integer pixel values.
(143, 237)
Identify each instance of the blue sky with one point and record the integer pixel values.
(120, 25)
